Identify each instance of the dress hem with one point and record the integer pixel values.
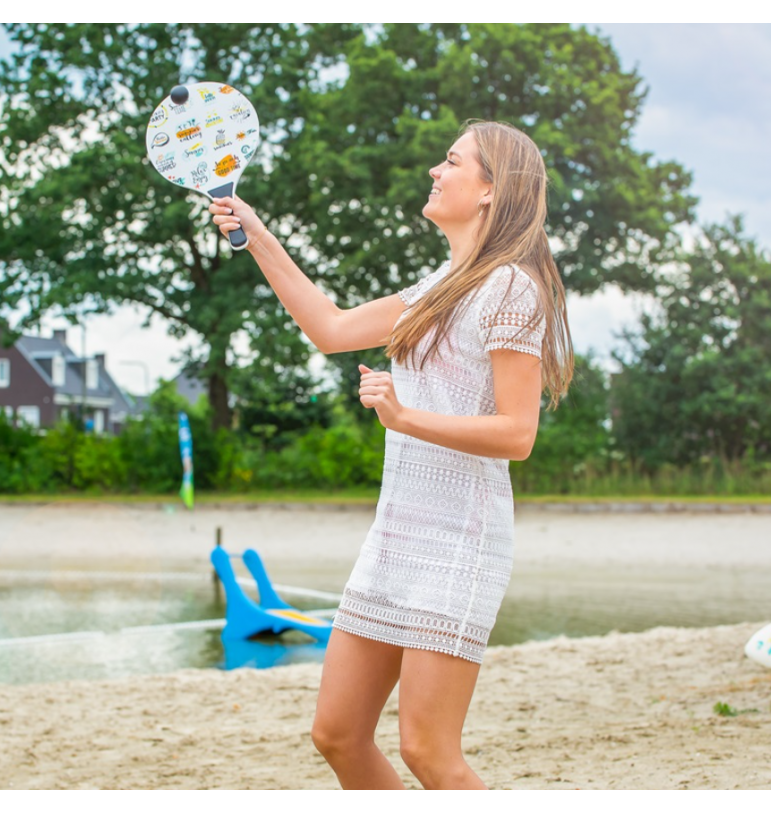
(407, 646)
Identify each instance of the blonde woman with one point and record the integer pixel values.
(473, 346)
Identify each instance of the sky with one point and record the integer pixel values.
(708, 107)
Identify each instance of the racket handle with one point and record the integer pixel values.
(237, 237)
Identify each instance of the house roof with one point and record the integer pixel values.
(39, 351)
(42, 346)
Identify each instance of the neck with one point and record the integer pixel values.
(462, 242)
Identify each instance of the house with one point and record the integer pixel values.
(42, 382)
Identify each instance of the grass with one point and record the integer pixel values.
(354, 496)
(645, 498)
(359, 496)
(727, 711)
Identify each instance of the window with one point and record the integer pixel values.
(5, 372)
(57, 371)
(29, 416)
(99, 422)
(92, 374)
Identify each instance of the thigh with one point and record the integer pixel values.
(435, 691)
(358, 677)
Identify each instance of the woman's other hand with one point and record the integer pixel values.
(376, 390)
(232, 213)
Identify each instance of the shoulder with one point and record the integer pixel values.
(413, 293)
(510, 315)
(509, 284)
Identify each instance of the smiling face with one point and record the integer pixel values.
(458, 188)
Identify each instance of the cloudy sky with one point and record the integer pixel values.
(708, 107)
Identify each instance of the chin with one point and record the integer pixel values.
(427, 213)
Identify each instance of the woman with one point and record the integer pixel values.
(473, 345)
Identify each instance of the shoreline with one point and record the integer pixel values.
(547, 503)
(631, 711)
(621, 710)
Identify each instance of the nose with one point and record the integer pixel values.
(434, 172)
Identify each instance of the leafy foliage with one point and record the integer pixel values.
(696, 383)
(88, 223)
(352, 118)
(571, 439)
(356, 175)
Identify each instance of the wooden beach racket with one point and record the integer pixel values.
(201, 137)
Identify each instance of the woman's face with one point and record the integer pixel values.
(458, 186)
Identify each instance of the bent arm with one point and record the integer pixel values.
(330, 328)
(510, 434)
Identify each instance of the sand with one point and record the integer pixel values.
(621, 711)
(612, 712)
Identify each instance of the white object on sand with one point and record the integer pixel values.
(759, 646)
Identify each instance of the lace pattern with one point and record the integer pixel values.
(435, 565)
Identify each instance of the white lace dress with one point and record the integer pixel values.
(435, 565)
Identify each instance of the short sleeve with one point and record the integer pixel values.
(511, 317)
(409, 296)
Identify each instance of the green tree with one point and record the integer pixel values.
(572, 438)
(87, 223)
(356, 175)
(352, 118)
(696, 380)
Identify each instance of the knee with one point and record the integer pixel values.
(334, 739)
(435, 765)
(324, 737)
(414, 754)
(418, 755)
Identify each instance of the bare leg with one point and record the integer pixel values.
(434, 695)
(359, 675)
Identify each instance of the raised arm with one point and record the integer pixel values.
(329, 328)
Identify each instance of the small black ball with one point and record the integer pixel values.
(179, 95)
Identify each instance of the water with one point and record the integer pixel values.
(96, 626)
(102, 612)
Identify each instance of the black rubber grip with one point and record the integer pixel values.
(237, 236)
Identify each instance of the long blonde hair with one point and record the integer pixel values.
(511, 233)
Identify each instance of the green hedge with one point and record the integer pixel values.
(574, 455)
(144, 458)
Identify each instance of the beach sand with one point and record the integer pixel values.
(631, 711)
(623, 711)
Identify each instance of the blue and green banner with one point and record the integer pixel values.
(186, 452)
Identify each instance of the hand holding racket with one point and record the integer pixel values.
(233, 214)
(201, 137)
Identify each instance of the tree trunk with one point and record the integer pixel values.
(218, 398)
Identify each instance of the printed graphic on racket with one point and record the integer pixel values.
(201, 137)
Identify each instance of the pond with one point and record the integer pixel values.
(70, 625)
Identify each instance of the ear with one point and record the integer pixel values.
(486, 199)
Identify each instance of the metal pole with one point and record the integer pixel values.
(214, 577)
(83, 400)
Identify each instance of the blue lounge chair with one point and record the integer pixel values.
(244, 618)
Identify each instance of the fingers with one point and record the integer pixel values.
(224, 215)
(221, 206)
(231, 213)
(375, 380)
(373, 399)
(221, 220)
(367, 373)
(376, 387)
